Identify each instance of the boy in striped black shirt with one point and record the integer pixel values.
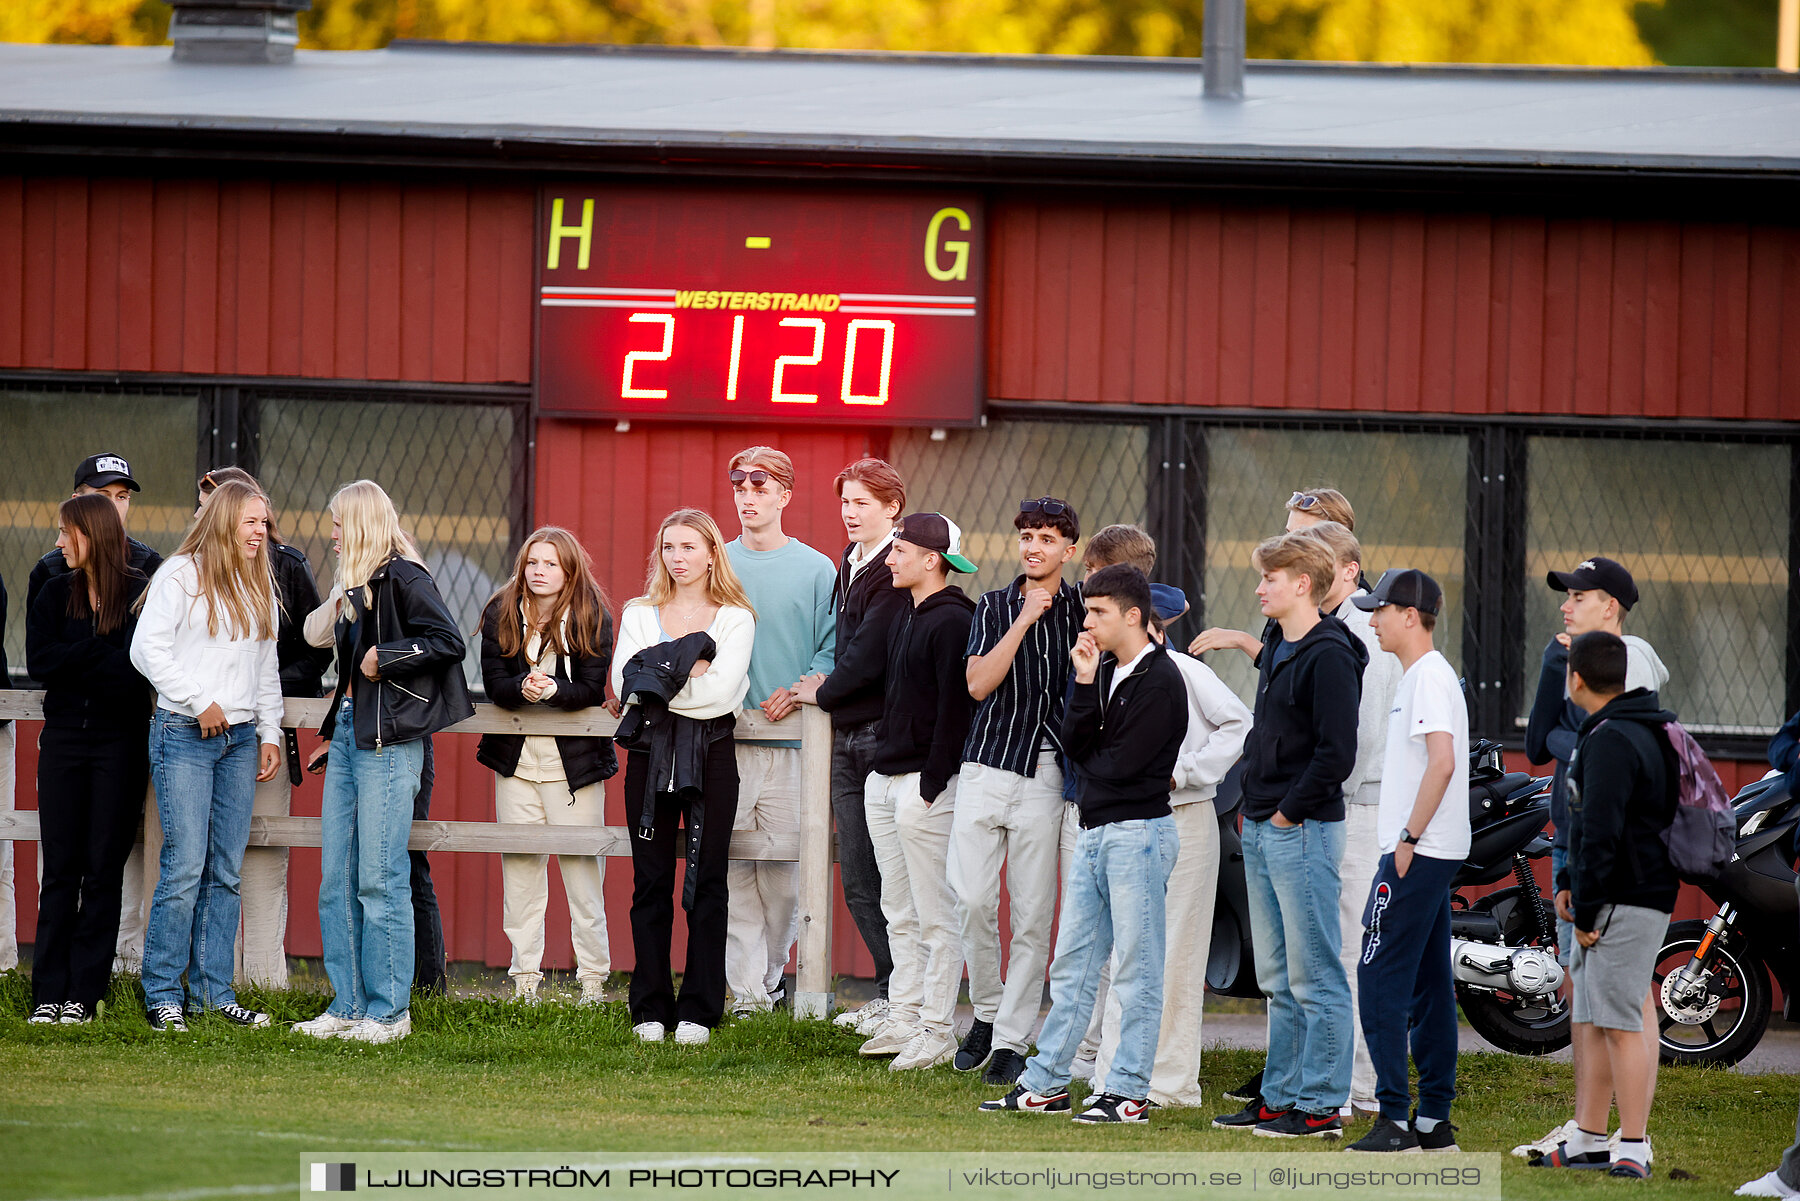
(1009, 805)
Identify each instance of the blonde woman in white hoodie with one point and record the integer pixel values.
(206, 642)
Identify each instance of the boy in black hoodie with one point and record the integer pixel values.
(1300, 750)
(1618, 888)
(910, 795)
(1123, 730)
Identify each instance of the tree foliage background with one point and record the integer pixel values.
(1575, 32)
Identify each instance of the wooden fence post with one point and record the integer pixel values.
(812, 972)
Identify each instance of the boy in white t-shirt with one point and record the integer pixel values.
(1423, 828)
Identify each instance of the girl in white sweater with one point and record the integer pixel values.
(690, 589)
(206, 642)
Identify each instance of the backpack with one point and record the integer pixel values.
(1703, 837)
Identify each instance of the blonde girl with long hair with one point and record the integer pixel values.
(205, 640)
(689, 591)
(399, 663)
(546, 639)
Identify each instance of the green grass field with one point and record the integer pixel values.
(112, 1110)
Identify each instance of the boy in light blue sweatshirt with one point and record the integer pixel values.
(790, 585)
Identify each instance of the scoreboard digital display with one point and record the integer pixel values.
(768, 305)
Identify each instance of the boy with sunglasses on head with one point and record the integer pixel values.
(790, 584)
(1010, 801)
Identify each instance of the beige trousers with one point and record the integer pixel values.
(525, 879)
(9, 918)
(1362, 854)
(912, 848)
(1188, 918)
(262, 939)
(764, 918)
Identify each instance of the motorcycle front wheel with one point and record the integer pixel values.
(1727, 1023)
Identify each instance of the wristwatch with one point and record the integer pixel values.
(1409, 838)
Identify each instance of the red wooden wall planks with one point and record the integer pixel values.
(1379, 310)
(321, 280)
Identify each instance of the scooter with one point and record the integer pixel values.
(1712, 977)
(1503, 944)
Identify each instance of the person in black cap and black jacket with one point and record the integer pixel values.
(110, 475)
(910, 796)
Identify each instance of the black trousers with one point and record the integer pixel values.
(653, 892)
(428, 924)
(90, 797)
(852, 758)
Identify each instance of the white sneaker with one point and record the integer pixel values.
(1612, 1145)
(326, 1025)
(927, 1049)
(1549, 1142)
(524, 992)
(593, 992)
(691, 1034)
(371, 1031)
(1082, 1069)
(1771, 1185)
(890, 1039)
(870, 1013)
(648, 1032)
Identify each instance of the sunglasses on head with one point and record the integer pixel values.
(1044, 505)
(756, 479)
(1303, 501)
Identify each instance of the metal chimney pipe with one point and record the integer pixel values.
(1222, 50)
(236, 31)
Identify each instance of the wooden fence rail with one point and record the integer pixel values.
(812, 848)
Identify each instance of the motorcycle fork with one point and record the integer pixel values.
(1693, 972)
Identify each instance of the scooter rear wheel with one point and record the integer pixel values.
(1520, 1025)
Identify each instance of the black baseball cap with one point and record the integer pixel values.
(97, 471)
(935, 532)
(1607, 575)
(1406, 587)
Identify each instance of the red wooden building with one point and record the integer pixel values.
(1519, 316)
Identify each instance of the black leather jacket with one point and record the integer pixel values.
(418, 651)
(302, 664)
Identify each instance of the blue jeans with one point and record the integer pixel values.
(1113, 896)
(204, 788)
(365, 884)
(1292, 879)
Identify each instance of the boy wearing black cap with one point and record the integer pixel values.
(110, 475)
(910, 795)
(1600, 591)
(1422, 828)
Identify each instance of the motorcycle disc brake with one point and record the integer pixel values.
(1687, 1012)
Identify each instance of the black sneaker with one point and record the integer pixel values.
(1441, 1137)
(977, 1046)
(1297, 1123)
(74, 1013)
(1023, 1100)
(1249, 1117)
(237, 1015)
(166, 1019)
(1005, 1067)
(1388, 1136)
(47, 1014)
(1107, 1108)
(1247, 1093)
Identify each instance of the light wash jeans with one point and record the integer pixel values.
(1292, 878)
(1113, 894)
(204, 788)
(365, 885)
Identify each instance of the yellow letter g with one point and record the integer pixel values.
(959, 264)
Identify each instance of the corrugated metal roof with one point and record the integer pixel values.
(949, 106)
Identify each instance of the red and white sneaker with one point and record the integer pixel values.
(1023, 1100)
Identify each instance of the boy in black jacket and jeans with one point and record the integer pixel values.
(1300, 750)
(1123, 730)
(1618, 888)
